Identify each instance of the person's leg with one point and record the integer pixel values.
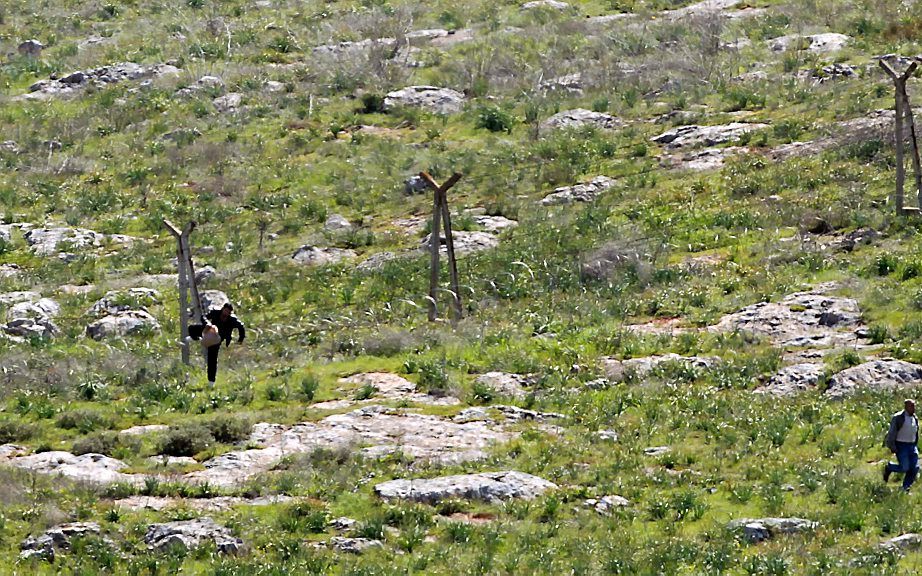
(213, 362)
(912, 463)
(900, 464)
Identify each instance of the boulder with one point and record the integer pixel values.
(31, 48)
(465, 242)
(337, 224)
(339, 49)
(885, 374)
(766, 528)
(354, 545)
(29, 328)
(203, 83)
(55, 539)
(9, 298)
(79, 80)
(825, 43)
(213, 300)
(903, 543)
(117, 301)
(505, 384)
(811, 319)
(46, 241)
(548, 4)
(10, 270)
(657, 450)
(215, 504)
(877, 125)
(585, 192)
(581, 117)
(706, 159)
(393, 387)
(487, 486)
(205, 274)
(495, 224)
(228, 103)
(42, 309)
(343, 524)
(381, 430)
(793, 379)
(315, 256)
(694, 135)
(431, 98)
(569, 83)
(607, 504)
(190, 534)
(90, 468)
(122, 324)
(379, 259)
(618, 370)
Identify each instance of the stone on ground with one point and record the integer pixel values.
(694, 135)
(465, 242)
(354, 545)
(618, 370)
(122, 324)
(885, 374)
(903, 543)
(580, 117)
(190, 534)
(55, 538)
(584, 192)
(431, 98)
(90, 468)
(315, 256)
(506, 384)
(607, 504)
(487, 486)
(811, 319)
(766, 528)
(793, 379)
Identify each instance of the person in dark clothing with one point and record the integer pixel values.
(224, 320)
(902, 440)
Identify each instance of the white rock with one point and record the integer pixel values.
(431, 98)
(122, 324)
(580, 117)
(189, 534)
(487, 486)
(584, 192)
(314, 256)
(91, 468)
(228, 103)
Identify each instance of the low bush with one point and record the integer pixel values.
(187, 440)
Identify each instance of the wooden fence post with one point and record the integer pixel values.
(440, 212)
(186, 284)
(901, 104)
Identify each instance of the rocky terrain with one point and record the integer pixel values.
(689, 307)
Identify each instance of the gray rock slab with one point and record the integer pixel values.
(583, 192)
(91, 468)
(758, 530)
(190, 534)
(374, 430)
(122, 324)
(793, 379)
(884, 374)
(465, 242)
(431, 98)
(487, 486)
(354, 545)
(580, 117)
(694, 135)
(56, 538)
(812, 319)
(316, 256)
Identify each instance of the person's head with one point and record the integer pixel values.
(226, 311)
(909, 405)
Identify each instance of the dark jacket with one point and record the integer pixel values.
(896, 422)
(226, 328)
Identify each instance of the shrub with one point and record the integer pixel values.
(372, 103)
(495, 119)
(108, 443)
(84, 420)
(309, 386)
(229, 429)
(12, 431)
(186, 440)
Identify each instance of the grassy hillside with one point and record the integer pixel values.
(256, 120)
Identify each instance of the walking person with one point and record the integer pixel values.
(225, 322)
(902, 440)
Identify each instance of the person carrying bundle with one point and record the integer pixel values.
(219, 326)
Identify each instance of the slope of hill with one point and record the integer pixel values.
(689, 308)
